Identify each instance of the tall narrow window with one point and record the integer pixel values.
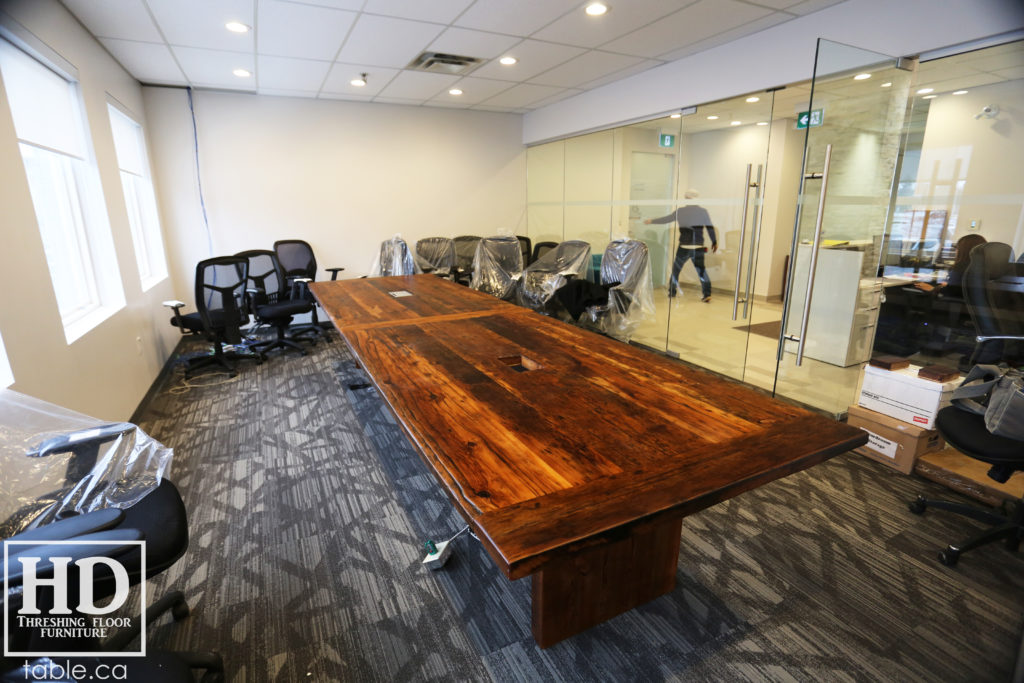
(65, 189)
(6, 376)
(139, 198)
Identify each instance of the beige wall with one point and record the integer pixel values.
(341, 175)
(107, 371)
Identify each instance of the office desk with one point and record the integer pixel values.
(574, 457)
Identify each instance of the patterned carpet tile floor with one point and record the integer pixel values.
(309, 508)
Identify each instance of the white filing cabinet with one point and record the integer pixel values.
(844, 307)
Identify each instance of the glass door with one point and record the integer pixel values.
(854, 121)
(713, 233)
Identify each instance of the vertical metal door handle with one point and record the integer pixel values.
(813, 268)
(755, 239)
(743, 236)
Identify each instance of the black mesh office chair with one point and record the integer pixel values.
(272, 300)
(540, 249)
(995, 299)
(159, 518)
(299, 265)
(497, 267)
(465, 252)
(221, 312)
(436, 255)
(626, 271)
(545, 276)
(967, 433)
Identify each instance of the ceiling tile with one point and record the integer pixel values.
(577, 28)
(437, 11)
(643, 65)
(522, 95)
(519, 18)
(288, 29)
(351, 5)
(385, 41)
(475, 90)
(557, 97)
(696, 22)
(810, 6)
(417, 85)
(200, 23)
(288, 73)
(535, 57)
(212, 68)
(462, 41)
(747, 29)
(588, 66)
(148, 62)
(338, 80)
(116, 19)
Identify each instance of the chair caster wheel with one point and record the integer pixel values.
(949, 556)
(917, 506)
(180, 611)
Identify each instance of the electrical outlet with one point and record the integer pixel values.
(436, 560)
(974, 225)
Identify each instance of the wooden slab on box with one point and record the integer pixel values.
(890, 362)
(968, 476)
(938, 373)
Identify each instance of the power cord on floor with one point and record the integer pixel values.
(186, 385)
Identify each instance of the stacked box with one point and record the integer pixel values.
(896, 443)
(905, 396)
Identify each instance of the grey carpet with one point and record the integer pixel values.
(308, 510)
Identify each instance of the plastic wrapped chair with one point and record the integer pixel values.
(436, 255)
(394, 259)
(549, 273)
(498, 266)
(465, 252)
(630, 302)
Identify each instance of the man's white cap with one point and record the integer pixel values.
(691, 194)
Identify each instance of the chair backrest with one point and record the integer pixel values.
(527, 246)
(497, 266)
(220, 296)
(988, 262)
(545, 276)
(265, 274)
(296, 258)
(436, 255)
(625, 262)
(631, 302)
(394, 259)
(465, 251)
(541, 248)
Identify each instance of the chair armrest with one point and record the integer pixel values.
(69, 527)
(300, 288)
(981, 338)
(176, 306)
(334, 272)
(84, 438)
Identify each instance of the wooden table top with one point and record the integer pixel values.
(548, 437)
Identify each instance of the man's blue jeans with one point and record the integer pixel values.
(682, 256)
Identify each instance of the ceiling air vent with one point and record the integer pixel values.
(441, 63)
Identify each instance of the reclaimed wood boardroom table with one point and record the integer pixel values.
(572, 456)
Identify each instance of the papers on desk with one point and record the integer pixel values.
(400, 293)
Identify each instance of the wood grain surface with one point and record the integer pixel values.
(551, 439)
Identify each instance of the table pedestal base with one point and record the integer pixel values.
(595, 584)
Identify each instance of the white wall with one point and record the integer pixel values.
(973, 168)
(341, 175)
(776, 56)
(107, 371)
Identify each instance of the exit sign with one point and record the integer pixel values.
(810, 119)
(666, 140)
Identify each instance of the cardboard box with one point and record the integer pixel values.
(904, 395)
(891, 441)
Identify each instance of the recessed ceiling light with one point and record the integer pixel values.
(762, 123)
(862, 77)
(242, 73)
(508, 61)
(454, 91)
(959, 92)
(675, 116)
(753, 99)
(359, 82)
(712, 118)
(929, 97)
(596, 9)
(237, 27)
(925, 91)
(735, 123)
(887, 85)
